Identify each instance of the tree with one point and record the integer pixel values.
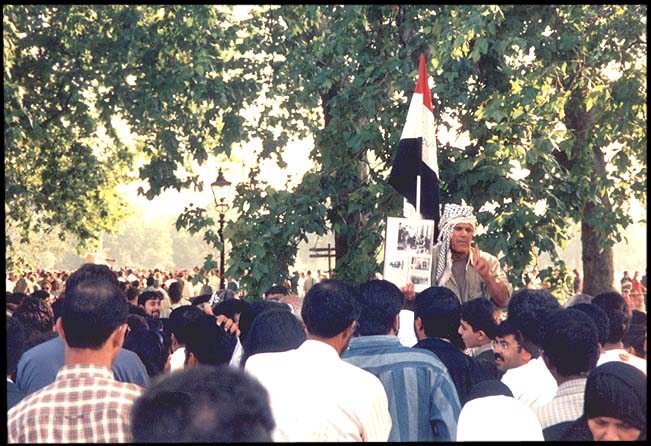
(73, 72)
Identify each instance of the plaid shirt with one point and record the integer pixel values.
(567, 405)
(85, 404)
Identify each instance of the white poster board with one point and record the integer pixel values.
(408, 252)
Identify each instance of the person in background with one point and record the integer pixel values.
(208, 343)
(203, 404)
(273, 331)
(15, 348)
(478, 327)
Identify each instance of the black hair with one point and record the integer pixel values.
(379, 301)
(149, 295)
(175, 292)
(506, 328)
(136, 309)
(329, 308)
(92, 310)
(151, 347)
(599, 317)
(230, 307)
(135, 322)
(619, 314)
(91, 271)
(440, 311)
(526, 310)
(16, 298)
(181, 318)
(273, 331)
(57, 308)
(35, 314)
(210, 343)
(150, 280)
(41, 294)
(252, 311)
(277, 289)
(16, 336)
(478, 313)
(203, 404)
(132, 293)
(570, 341)
(638, 317)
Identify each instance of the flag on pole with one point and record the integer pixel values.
(417, 153)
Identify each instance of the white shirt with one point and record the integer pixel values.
(237, 355)
(622, 356)
(406, 333)
(531, 383)
(177, 360)
(316, 396)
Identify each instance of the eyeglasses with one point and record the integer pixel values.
(503, 345)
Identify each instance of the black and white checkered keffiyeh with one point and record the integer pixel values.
(453, 214)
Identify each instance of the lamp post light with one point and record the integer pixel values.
(220, 192)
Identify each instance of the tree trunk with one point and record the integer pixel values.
(598, 267)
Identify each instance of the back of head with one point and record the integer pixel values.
(16, 337)
(209, 342)
(329, 308)
(151, 347)
(252, 311)
(617, 390)
(91, 271)
(181, 318)
(599, 317)
(175, 292)
(440, 311)
(526, 310)
(92, 310)
(570, 340)
(619, 314)
(279, 290)
(203, 404)
(273, 331)
(380, 302)
(35, 314)
(132, 293)
(478, 313)
(230, 307)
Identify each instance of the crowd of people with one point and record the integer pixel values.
(134, 355)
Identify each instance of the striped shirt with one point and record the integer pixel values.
(423, 401)
(567, 404)
(85, 404)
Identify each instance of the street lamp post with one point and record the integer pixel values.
(220, 192)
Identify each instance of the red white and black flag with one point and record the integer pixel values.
(417, 153)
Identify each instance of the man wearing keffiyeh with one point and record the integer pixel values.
(463, 268)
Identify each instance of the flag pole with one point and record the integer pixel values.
(418, 196)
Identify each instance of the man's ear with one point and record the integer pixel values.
(418, 326)
(59, 329)
(481, 336)
(396, 324)
(190, 358)
(118, 335)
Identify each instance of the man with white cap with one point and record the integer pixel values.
(462, 267)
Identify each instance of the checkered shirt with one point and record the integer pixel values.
(85, 404)
(567, 405)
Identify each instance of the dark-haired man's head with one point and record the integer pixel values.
(93, 311)
(569, 339)
(175, 292)
(35, 314)
(276, 292)
(203, 404)
(600, 319)
(619, 316)
(132, 294)
(16, 337)
(437, 314)
(526, 311)
(252, 311)
(231, 308)
(207, 343)
(508, 347)
(478, 322)
(273, 330)
(380, 303)
(180, 319)
(91, 271)
(150, 301)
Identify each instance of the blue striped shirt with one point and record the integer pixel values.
(423, 401)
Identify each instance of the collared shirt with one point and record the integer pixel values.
(622, 356)
(423, 402)
(84, 404)
(475, 285)
(531, 383)
(406, 333)
(316, 396)
(39, 365)
(567, 404)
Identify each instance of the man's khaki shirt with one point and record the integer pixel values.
(475, 285)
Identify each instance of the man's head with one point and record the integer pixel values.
(570, 344)
(437, 313)
(276, 292)
(175, 292)
(380, 303)
(203, 404)
(150, 301)
(329, 309)
(207, 343)
(526, 310)
(456, 230)
(16, 337)
(180, 320)
(132, 295)
(626, 274)
(508, 348)
(619, 314)
(35, 314)
(252, 311)
(91, 271)
(600, 319)
(478, 322)
(93, 310)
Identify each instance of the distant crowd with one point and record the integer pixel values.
(143, 355)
